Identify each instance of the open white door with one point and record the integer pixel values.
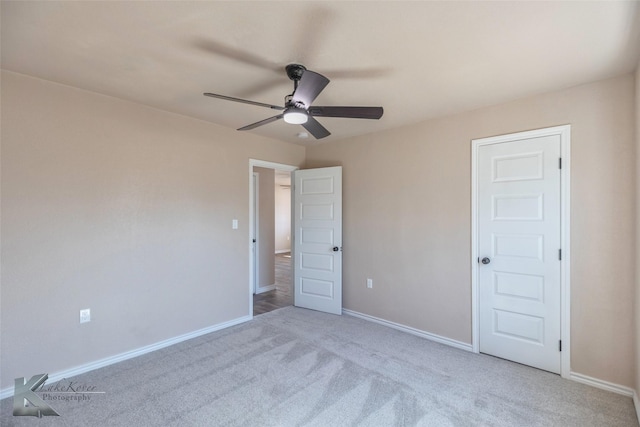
(317, 239)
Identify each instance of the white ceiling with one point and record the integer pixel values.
(418, 60)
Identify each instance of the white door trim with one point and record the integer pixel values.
(565, 220)
(254, 228)
(268, 165)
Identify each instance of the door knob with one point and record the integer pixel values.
(336, 249)
(486, 260)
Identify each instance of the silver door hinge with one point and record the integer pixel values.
(560, 254)
(560, 163)
(560, 345)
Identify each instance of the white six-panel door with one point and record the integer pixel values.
(317, 239)
(519, 242)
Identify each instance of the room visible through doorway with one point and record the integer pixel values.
(282, 295)
(270, 236)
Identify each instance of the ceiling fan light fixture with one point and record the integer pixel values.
(296, 116)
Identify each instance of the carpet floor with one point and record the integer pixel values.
(296, 367)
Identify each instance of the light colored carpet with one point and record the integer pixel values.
(296, 367)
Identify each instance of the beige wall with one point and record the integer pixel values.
(127, 210)
(407, 219)
(266, 228)
(283, 218)
(123, 209)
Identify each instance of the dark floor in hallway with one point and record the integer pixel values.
(282, 295)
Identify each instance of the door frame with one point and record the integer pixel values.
(564, 132)
(252, 216)
(254, 229)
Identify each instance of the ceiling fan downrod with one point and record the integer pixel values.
(295, 72)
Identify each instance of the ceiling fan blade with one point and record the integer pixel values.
(260, 87)
(358, 73)
(309, 87)
(219, 49)
(244, 101)
(262, 122)
(347, 112)
(315, 128)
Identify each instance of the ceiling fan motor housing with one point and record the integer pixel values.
(295, 71)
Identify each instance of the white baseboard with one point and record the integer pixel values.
(604, 385)
(57, 376)
(263, 289)
(283, 251)
(413, 331)
(594, 382)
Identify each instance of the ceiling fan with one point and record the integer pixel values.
(297, 109)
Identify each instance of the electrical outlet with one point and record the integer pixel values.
(85, 315)
(369, 283)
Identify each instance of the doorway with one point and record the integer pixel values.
(270, 236)
(520, 248)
